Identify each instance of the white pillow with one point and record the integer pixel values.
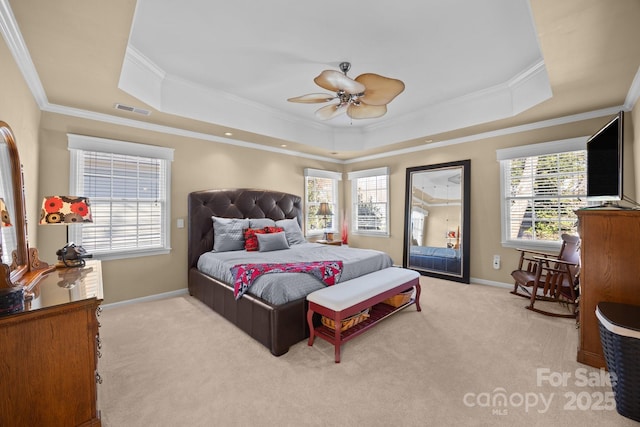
(272, 242)
(292, 231)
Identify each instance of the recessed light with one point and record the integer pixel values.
(228, 134)
(428, 140)
(283, 145)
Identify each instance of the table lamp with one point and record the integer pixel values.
(324, 210)
(65, 210)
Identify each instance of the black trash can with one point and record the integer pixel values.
(620, 337)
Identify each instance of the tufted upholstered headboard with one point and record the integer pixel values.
(234, 203)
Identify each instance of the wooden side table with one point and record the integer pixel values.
(330, 242)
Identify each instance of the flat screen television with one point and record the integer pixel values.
(604, 162)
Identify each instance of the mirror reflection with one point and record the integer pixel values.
(436, 220)
(7, 229)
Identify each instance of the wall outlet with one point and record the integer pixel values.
(496, 262)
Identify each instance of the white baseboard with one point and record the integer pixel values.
(474, 281)
(147, 298)
(491, 283)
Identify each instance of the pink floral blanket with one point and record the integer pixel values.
(245, 274)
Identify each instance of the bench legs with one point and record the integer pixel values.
(312, 330)
(337, 334)
(337, 337)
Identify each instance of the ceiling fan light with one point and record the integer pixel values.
(335, 81)
(312, 98)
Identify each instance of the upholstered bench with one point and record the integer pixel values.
(345, 299)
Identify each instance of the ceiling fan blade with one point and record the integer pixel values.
(335, 81)
(365, 111)
(330, 111)
(312, 98)
(380, 90)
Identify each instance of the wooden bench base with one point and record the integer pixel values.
(378, 312)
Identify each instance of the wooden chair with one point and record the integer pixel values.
(550, 277)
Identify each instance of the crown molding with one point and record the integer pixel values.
(120, 121)
(634, 93)
(500, 132)
(11, 33)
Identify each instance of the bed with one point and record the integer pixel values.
(433, 258)
(274, 318)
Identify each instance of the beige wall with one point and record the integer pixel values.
(201, 164)
(197, 165)
(485, 194)
(20, 111)
(439, 222)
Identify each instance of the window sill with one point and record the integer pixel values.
(130, 254)
(550, 247)
(370, 234)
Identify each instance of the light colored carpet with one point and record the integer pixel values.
(174, 362)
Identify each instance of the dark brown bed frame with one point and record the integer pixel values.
(276, 327)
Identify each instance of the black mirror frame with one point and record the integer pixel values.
(465, 232)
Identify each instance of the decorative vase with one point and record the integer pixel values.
(345, 230)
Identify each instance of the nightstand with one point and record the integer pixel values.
(330, 242)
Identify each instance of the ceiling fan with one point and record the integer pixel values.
(366, 97)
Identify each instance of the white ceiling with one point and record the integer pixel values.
(205, 68)
(236, 63)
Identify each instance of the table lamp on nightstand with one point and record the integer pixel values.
(324, 210)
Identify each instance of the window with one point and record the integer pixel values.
(370, 199)
(128, 187)
(542, 185)
(320, 186)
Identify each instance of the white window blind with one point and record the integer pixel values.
(541, 193)
(321, 186)
(370, 199)
(128, 191)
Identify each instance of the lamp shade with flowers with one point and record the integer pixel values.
(65, 210)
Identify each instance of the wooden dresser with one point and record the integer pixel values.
(49, 352)
(610, 271)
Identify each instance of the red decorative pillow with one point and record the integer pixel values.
(273, 229)
(250, 239)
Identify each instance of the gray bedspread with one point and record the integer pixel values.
(280, 288)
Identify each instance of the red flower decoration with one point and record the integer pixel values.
(53, 204)
(79, 208)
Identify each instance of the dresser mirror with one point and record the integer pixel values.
(20, 265)
(437, 214)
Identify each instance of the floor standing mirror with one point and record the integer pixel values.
(437, 215)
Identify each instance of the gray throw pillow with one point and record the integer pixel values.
(261, 222)
(292, 231)
(228, 234)
(272, 242)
